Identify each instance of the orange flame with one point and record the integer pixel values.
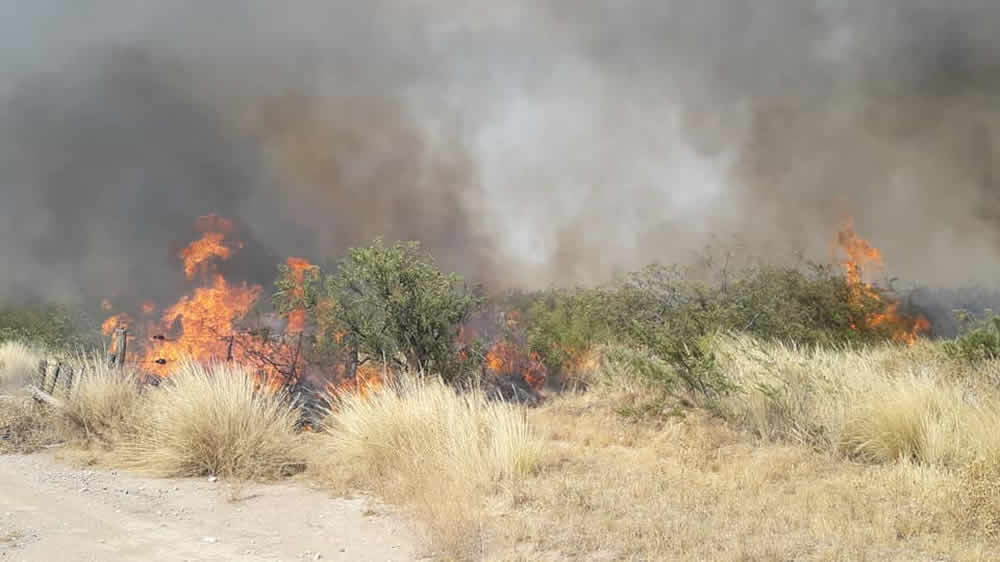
(506, 358)
(199, 255)
(206, 319)
(112, 323)
(862, 257)
(297, 317)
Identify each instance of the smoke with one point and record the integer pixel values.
(525, 144)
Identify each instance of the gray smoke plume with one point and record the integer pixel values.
(525, 143)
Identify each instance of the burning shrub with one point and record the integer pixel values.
(388, 303)
(215, 421)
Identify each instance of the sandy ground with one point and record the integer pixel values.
(50, 511)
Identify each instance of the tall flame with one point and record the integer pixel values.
(206, 321)
(864, 258)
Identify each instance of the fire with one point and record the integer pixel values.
(202, 324)
(368, 377)
(863, 257)
(113, 322)
(200, 254)
(297, 318)
(206, 321)
(507, 358)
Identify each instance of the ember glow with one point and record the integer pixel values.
(862, 258)
(507, 358)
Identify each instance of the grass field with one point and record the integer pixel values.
(881, 453)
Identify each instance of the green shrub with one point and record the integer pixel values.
(48, 325)
(980, 340)
(673, 313)
(386, 303)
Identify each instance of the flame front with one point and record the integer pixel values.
(297, 317)
(205, 320)
(862, 257)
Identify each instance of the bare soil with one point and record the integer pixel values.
(52, 511)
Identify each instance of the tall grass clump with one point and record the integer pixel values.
(18, 363)
(878, 405)
(25, 425)
(215, 420)
(425, 444)
(105, 401)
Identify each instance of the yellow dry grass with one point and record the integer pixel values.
(18, 365)
(696, 489)
(213, 420)
(877, 454)
(425, 445)
(104, 402)
(875, 405)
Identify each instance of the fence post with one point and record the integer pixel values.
(55, 378)
(43, 371)
(119, 346)
(69, 379)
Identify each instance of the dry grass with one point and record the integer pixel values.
(877, 405)
(26, 426)
(213, 420)
(696, 489)
(423, 444)
(104, 402)
(777, 476)
(18, 364)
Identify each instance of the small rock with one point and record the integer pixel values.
(210, 540)
(84, 490)
(317, 556)
(213, 478)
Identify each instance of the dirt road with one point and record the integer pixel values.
(52, 512)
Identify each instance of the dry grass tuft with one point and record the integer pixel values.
(25, 426)
(104, 402)
(214, 420)
(441, 451)
(18, 365)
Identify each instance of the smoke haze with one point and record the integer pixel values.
(524, 144)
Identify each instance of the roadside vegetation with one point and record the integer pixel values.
(698, 413)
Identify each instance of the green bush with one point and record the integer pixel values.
(48, 325)
(672, 313)
(388, 303)
(980, 340)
